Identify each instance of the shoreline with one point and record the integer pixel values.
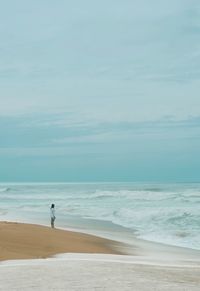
(103, 229)
(20, 240)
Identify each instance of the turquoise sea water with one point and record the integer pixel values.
(168, 213)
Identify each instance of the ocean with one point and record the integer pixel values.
(165, 213)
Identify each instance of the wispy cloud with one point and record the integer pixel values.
(54, 131)
(69, 56)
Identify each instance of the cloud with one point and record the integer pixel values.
(73, 55)
(116, 81)
(54, 131)
(52, 148)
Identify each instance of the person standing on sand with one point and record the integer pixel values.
(52, 214)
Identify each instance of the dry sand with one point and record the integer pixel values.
(29, 241)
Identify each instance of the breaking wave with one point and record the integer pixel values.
(4, 189)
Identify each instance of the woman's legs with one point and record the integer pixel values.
(52, 222)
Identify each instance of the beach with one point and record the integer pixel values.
(36, 257)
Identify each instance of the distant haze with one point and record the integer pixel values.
(100, 90)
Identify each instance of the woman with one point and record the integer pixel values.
(52, 214)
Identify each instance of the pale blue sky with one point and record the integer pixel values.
(99, 90)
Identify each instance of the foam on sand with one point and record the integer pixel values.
(96, 272)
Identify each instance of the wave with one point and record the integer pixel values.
(4, 189)
(136, 195)
(153, 189)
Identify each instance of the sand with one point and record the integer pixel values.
(90, 262)
(29, 241)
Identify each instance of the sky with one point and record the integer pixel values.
(99, 90)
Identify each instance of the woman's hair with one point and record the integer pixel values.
(52, 205)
